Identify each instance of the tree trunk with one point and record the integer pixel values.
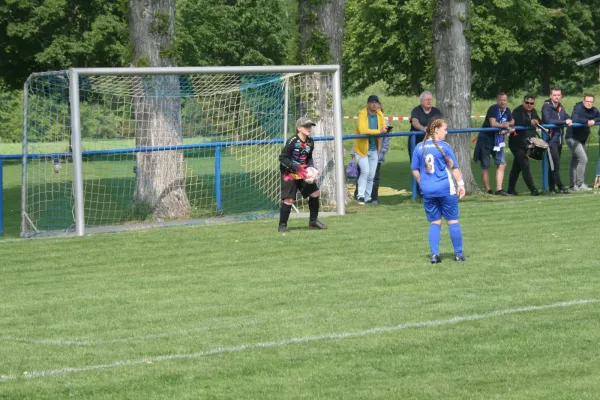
(546, 69)
(321, 21)
(321, 27)
(160, 175)
(452, 59)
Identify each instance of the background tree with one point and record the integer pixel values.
(388, 41)
(160, 176)
(235, 32)
(39, 36)
(452, 57)
(321, 27)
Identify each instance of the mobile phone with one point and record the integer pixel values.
(389, 128)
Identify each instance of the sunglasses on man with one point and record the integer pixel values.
(530, 103)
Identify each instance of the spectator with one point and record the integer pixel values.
(553, 112)
(524, 115)
(584, 113)
(369, 121)
(493, 143)
(421, 115)
(385, 146)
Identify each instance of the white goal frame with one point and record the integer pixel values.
(74, 75)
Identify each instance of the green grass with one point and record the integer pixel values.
(108, 180)
(240, 311)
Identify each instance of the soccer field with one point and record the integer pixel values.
(356, 311)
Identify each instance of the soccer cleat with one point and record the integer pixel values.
(282, 228)
(512, 193)
(459, 258)
(435, 259)
(316, 224)
(535, 192)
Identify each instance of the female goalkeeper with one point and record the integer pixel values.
(432, 164)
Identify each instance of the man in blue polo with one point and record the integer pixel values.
(493, 143)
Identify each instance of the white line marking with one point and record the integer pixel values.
(158, 335)
(284, 342)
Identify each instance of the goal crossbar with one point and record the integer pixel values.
(77, 153)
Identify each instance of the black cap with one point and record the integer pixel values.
(372, 98)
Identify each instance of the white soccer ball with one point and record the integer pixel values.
(312, 174)
(56, 168)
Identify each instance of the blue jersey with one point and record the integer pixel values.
(438, 181)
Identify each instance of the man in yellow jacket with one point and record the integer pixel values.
(369, 121)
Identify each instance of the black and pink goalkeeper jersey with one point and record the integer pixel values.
(296, 152)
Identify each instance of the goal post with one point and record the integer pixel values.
(108, 149)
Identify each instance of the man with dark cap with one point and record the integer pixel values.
(369, 121)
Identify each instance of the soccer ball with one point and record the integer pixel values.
(312, 174)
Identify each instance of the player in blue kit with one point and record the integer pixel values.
(433, 166)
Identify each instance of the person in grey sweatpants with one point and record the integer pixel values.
(586, 114)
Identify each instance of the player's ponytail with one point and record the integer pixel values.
(434, 124)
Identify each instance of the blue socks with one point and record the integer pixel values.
(434, 238)
(456, 237)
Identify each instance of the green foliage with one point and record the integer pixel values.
(59, 34)
(160, 24)
(515, 45)
(532, 45)
(317, 49)
(11, 115)
(237, 32)
(390, 41)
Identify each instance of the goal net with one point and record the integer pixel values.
(112, 149)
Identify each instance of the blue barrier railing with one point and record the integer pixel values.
(219, 145)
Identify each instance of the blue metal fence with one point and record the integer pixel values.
(219, 145)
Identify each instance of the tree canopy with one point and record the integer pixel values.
(515, 44)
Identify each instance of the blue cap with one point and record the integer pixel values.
(372, 98)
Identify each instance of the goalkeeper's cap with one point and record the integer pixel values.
(305, 121)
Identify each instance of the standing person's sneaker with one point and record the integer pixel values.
(573, 188)
(316, 224)
(435, 259)
(502, 193)
(459, 258)
(375, 202)
(490, 192)
(361, 201)
(535, 192)
(563, 190)
(512, 193)
(584, 187)
(282, 228)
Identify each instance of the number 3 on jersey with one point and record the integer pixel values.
(429, 160)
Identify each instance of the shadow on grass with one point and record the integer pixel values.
(110, 201)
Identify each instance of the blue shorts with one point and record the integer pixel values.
(438, 207)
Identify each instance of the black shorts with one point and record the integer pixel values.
(289, 188)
